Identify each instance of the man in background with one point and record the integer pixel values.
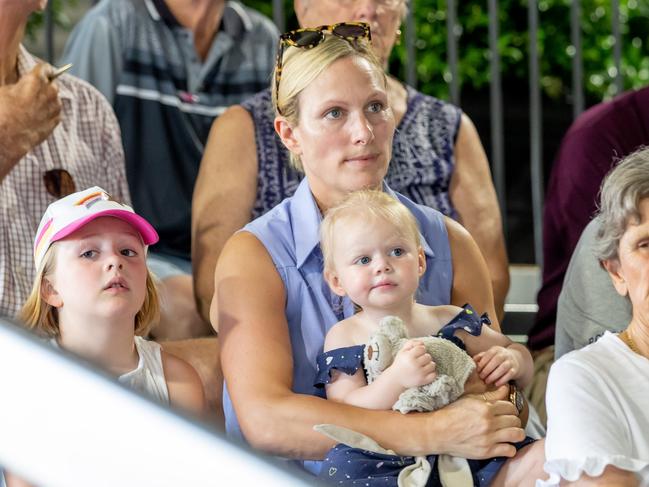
(169, 68)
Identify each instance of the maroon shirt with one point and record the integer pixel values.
(598, 138)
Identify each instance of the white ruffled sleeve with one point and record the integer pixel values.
(586, 431)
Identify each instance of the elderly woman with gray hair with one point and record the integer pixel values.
(598, 397)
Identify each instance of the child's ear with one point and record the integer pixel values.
(612, 266)
(49, 294)
(421, 257)
(334, 282)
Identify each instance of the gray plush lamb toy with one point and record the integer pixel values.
(453, 365)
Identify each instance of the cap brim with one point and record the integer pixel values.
(144, 228)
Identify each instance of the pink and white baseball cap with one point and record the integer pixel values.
(69, 214)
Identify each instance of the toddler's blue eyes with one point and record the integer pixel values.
(88, 254)
(397, 252)
(363, 260)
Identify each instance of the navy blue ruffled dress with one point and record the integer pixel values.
(347, 466)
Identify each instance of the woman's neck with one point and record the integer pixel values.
(637, 334)
(109, 345)
(325, 199)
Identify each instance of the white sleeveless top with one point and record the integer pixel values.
(148, 377)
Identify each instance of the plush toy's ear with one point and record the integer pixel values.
(333, 280)
(393, 327)
(378, 356)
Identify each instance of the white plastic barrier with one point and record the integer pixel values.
(64, 424)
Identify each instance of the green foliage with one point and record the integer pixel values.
(554, 44)
(61, 20)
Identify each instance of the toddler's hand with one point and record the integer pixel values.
(496, 365)
(413, 366)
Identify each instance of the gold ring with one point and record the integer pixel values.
(484, 397)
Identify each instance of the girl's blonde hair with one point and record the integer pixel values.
(38, 315)
(301, 66)
(367, 203)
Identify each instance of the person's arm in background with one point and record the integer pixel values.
(224, 196)
(184, 385)
(203, 355)
(474, 197)
(30, 110)
(471, 282)
(588, 151)
(94, 48)
(12, 481)
(248, 309)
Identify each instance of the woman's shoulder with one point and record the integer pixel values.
(604, 349)
(259, 105)
(591, 363)
(425, 215)
(245, 251)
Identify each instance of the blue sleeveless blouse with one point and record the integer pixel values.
(422, 153)
(290, 234)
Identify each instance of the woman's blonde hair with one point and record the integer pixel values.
(301, 66)
(367, 203)
(38, 315)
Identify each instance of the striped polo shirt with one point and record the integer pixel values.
(166, 97)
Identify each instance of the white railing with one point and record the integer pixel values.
(65, 424)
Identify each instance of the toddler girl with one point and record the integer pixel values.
(372, 254)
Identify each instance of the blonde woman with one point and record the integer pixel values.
(437, 158)
(272, 307)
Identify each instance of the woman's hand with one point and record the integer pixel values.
(482, 425)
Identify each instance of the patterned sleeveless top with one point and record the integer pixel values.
(422, 153)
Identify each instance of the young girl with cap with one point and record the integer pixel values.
(94, 296)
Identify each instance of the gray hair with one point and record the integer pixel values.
(624, 187)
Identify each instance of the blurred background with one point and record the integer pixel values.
(446, 53)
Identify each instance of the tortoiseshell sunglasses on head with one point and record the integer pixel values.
(311, 37)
